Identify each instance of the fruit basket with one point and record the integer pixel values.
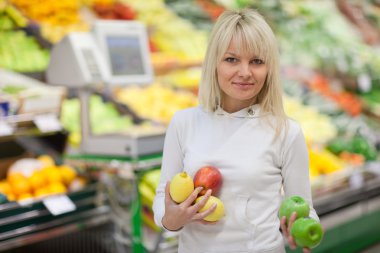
(22, 224)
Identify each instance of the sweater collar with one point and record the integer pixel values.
(253, 111)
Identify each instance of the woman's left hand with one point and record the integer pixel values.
(286, 232)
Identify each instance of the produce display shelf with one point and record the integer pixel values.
(130, 167)
(22, 224)
(23, 125)
(349, 196)
(136, 164)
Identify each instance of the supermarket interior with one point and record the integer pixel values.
(82, 126)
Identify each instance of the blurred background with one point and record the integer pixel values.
(81, 136)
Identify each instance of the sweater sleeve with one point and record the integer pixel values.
(295, 170)
(172, 163)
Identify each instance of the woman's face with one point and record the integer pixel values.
(241, 77)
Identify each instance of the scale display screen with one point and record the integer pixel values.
(125, 55)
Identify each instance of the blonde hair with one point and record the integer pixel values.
(253, 35)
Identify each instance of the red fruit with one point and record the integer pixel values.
(208, 177)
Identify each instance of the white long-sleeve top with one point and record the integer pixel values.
(254, 168)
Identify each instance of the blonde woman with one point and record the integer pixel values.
(239, 127)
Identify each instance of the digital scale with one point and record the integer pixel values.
(115, 53)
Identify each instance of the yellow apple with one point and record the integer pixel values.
(181, 186)
(218, 213)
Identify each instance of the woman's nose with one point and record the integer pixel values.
(244, 70)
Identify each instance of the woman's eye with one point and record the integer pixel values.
(258, 61)
(230, 59)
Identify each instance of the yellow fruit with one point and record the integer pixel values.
(46, 160)
(25, 196)
(20, 186)
(11, 197)
(181, 186)
(53, 176)
(5, 188)
(14, 177)
(218, 213)
(57, 188)
(37, 180)
(41, 192)
(67, 173)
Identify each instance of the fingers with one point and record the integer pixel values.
(204, 214)
(292, 242)
(198, 206)
(306, 250)
(292, 219)
(283, 226)
(193, 196)
(286, 227)
(168, 198)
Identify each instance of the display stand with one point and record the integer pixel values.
(133, 168)
(115, 54)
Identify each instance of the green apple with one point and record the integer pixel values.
(307, 232)
(181, 186)
(294, 204)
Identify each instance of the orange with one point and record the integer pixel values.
(15, 176)
(41, 192)
(5, 187)
(68, 174)
(57, 188)
(53, 175)
(25, 196)
(11, 197)
(46, 160)
(37, 180)
(20, 186)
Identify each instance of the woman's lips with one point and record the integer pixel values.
(242, 83)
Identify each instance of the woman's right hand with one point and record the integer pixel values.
(178, 215)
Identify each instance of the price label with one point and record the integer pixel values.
(364, 82)
(59, 204)
(47, 123)
(5, 129)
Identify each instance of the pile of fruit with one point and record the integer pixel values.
(323, 162)
(104, 118)
(62, 12)
(356, 149)
(187, 78)
(21, 53)
(207, 177)
(55, 18)
(166, 31)
(10, 17)
(34, 179)
(113, 10)
(156, 102)
(347, 101)
(147, 189)
(310, 119)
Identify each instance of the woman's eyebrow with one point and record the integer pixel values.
(231, 53)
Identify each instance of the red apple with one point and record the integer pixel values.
(208, 177)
